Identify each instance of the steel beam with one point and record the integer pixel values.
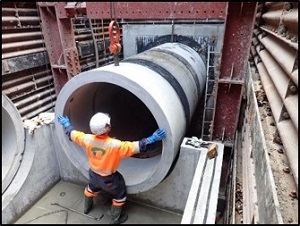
(233, 68)
(156, 10)
(60, 42)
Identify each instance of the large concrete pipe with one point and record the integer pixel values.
(158, 88)
(13, 141)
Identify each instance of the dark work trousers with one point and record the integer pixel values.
(113, 184)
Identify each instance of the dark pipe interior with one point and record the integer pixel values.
(131, 120)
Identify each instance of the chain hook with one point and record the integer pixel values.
(114, 36)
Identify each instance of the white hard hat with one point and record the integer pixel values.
(99, 123)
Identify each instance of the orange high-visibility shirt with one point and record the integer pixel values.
(104, 153)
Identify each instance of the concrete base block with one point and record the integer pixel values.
(172, 192)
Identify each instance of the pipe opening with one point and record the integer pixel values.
(131, 120)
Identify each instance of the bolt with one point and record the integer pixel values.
(288, 6)
(277, 139)
(293, 89)
(294, 39)
(280, 151)
(281, 29)
(286, 169)
(285, 115)
(293, 194)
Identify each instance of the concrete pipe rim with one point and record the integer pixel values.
(13, 141)
(159, 165)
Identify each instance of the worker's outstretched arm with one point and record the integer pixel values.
(158, 135)
(65, 122)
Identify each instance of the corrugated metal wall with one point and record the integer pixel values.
(26, 74)
(27, 78)
(274, 53)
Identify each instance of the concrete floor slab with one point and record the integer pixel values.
(46, 210)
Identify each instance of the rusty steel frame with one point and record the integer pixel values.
(145, 10)
(156, 10)
(60, 42)
(233, 68)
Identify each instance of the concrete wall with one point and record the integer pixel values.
(201, 33)
(268, 210)
(44, 164)
(172, 193)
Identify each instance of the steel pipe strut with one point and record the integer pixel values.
(286, 128)
(13, 141)
(158, 88)
(281, 82)
(282, 53)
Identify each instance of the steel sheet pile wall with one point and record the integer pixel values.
(26, 75)
(275, 54)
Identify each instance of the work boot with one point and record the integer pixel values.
(88, 204)
(116, 216)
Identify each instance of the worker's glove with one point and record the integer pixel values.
(64, 120)
(159, 134)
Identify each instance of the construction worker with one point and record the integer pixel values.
(104, 154)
